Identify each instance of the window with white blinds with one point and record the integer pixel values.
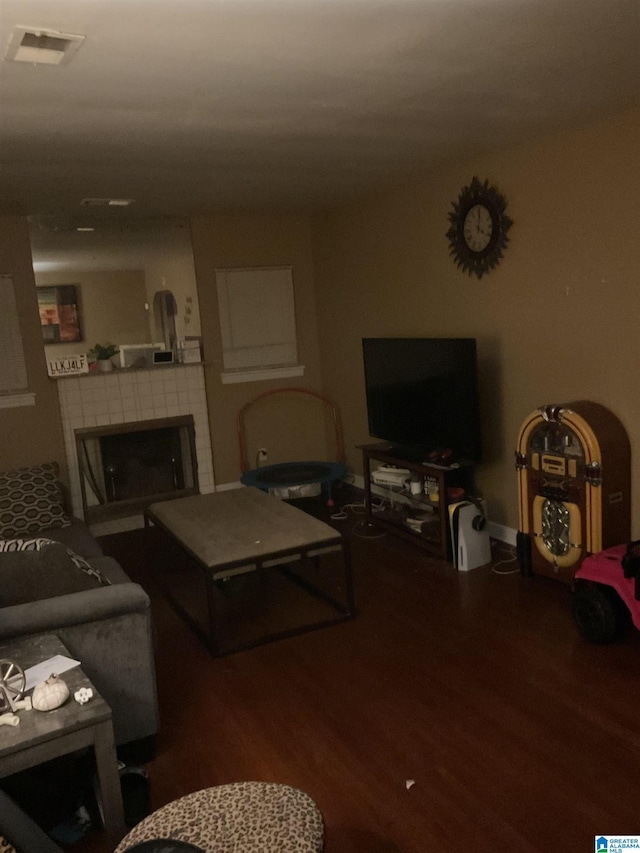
(257, 323)
(13, 370)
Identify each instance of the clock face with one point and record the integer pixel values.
(478, 228)
(479, 225)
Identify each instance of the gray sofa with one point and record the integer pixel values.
(107, 628)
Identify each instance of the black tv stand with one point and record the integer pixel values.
(441, 456)
(408, 453)
(425, 519)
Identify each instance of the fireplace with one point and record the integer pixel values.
(125, 398)
(125, 467)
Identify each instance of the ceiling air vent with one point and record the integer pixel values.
(45, 47)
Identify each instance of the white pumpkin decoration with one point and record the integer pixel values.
(50, 694)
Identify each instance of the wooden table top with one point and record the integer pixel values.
(239, 526)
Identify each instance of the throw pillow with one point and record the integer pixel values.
(7, 545)
(30, 499)
(37, 569)
(37, 544)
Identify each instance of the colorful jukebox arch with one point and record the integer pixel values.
(574, 487)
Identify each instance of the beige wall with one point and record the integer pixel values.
(112, 308)
(557, 320)
(171, 268)
(288, 428)
(28, 435)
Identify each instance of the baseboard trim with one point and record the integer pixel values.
(502, 533)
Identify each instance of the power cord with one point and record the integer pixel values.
(360, 509)
(342, 513)
(511, 559)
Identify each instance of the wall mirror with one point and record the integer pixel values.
(134, 279)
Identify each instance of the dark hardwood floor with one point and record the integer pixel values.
(519, 735)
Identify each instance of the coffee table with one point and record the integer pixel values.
(43, 735)
(242, 555)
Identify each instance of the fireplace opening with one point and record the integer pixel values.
(138, 464)
(126, 467)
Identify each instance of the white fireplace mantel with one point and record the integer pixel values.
(129, 396)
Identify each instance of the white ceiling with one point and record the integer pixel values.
(200, 105)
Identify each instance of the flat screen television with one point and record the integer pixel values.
(422, 396)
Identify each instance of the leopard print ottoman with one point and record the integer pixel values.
(244, 817)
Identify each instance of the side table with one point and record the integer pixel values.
(43, 735)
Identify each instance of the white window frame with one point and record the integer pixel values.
(257, 324)
(14, 390)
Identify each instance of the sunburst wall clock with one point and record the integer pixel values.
(479, 225)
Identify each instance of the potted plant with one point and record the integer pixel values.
(103, 353)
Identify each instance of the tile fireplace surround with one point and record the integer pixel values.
(126, 397)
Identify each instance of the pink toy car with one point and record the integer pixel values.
(607, 593)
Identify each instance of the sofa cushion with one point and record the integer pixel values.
(37, 569)
(37, 544)
(110, 570)
(30, 500)
(76, 536)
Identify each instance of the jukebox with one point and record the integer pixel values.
(574, 487)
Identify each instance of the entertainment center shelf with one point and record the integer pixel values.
(420, 518)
